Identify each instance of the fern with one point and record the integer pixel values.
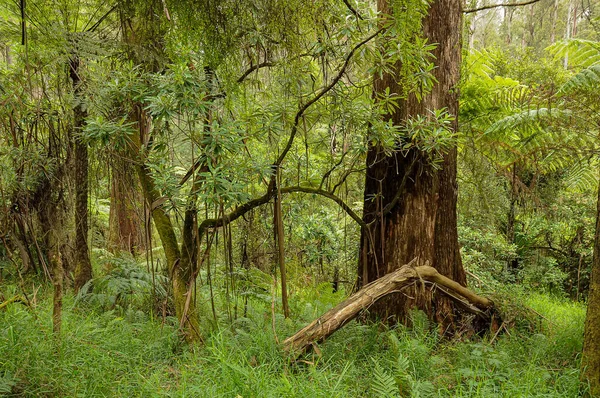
(383, 385)
(522, 126)
(125, 284)
(581, 176)
(585, 81)
(581, 53)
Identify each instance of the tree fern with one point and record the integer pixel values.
(581, 176)
(586, 80)
(580, 53)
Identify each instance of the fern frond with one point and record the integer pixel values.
(581, 53)
(383, 385)
(585, 81)
(525, 125)
(582, 176)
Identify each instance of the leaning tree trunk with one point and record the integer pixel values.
(179, 266)
(83, 266)
(590, 360)
(410, 206)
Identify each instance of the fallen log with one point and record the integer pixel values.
(394, 282)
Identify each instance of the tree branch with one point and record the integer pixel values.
(102, 18)
(394, 282)
(488, 7)
(254, 68)
(336, 199)
(319, 95)
(352, 9)
(262, 200)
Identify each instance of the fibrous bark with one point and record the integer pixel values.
(406, 277)
(590, 361)
(126, 223)
(409, 205)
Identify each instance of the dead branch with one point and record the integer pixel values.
(334, 319)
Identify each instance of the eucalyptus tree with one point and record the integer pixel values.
(410, 193)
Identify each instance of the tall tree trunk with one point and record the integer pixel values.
(278, 227)
(126, 225)
(590, 361)
(83, 266)
(143, 33)
(423, 222)
(180, 267)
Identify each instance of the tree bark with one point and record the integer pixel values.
(590, 361)
(126, 226)
(83, 266)
(423, 222)
(405, 278)
(278, 224)
(180, 269)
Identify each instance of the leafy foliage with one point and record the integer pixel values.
(126, 284)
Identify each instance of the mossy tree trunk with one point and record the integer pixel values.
(180, 267)
(421, 222)
(143, 33)
(591, 346)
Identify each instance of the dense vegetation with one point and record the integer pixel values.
(185, 184)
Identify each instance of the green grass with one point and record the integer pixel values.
(128, 354)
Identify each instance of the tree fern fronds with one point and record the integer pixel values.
(522, 125)
(582, 176)
(479, 63)
(582, 53)
(586, 80)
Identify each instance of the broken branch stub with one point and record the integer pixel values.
(335, 318)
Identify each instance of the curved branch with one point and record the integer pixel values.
(405, 276)
(319, 95)
(262, 200)
(353, 10)
(488, 7)
(254, 68)
(329, 195)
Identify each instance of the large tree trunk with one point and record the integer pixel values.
(422, 221)
(591, 346)
(83, 266)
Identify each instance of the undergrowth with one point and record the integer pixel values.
(111, 351)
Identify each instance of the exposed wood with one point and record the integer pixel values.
(394, 282)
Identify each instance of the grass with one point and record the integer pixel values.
(129, 354)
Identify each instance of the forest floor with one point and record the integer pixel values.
(128, 353)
